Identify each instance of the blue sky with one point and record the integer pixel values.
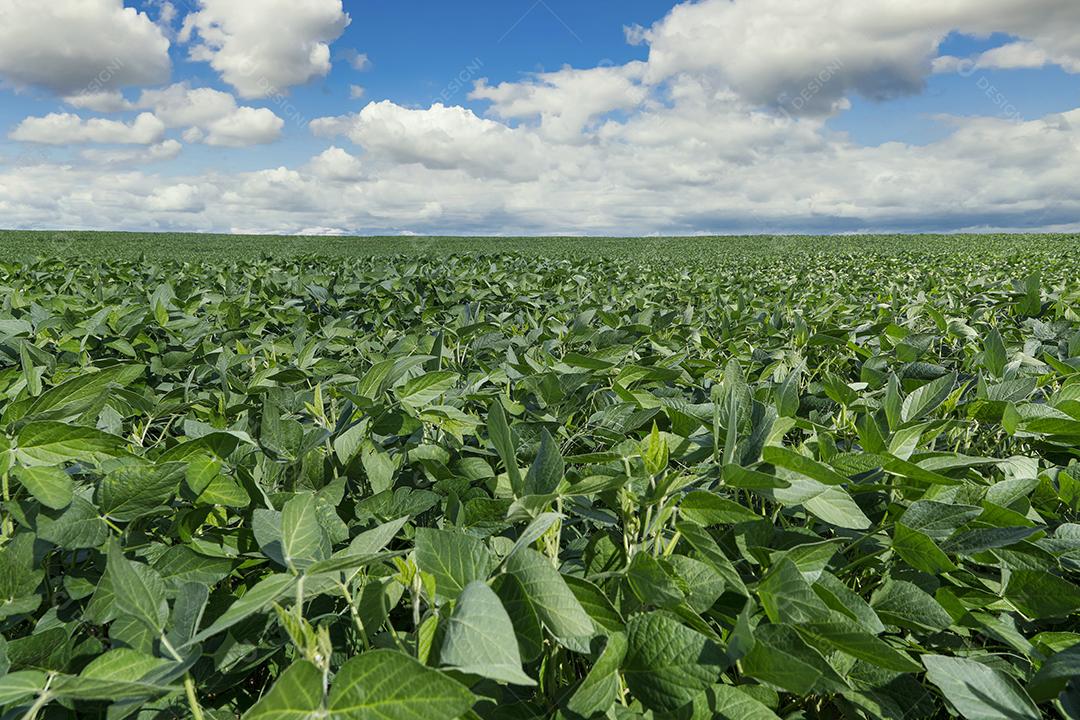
(551, 107)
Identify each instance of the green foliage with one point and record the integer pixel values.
(804, 478)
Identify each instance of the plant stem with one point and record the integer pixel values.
(192, 698)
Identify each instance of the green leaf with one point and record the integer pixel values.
(55, 443)
(905, 604)
(787, 597)
(600, 688)
(926, 398)
(977, 691)
(20, 685)
(50, 486)
(258, 599)
(920, 552)
(1060, 669)
(303, 539)
(782, 457)
(781, 658)
(667, 664)
(453, 558)
(547, 469)
(1042, 595)
(77, 527)
(994, 354)
(427, 388)
(389, 685)
(138, 591)
(654, 452)
(79, 394)
(297, 695)
(135, 490)
(551, 599)
(708, 509)
(730, 703)
(502, 438)
(480, 638)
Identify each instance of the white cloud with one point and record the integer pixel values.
(181, 106)
(80, 46)
(440, 138)
(690, 141)
(335, 164)
(106, 101)
(69, 129)
(1015, 55)
(211, 116)
(246, 126)
(176, 198)
(356, 92)
(568, 100)
(357, 60)
(263, 47)
(807, 57)
(163, 151)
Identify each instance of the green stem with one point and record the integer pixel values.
(7, 526)
(192, 698)
(42, 700)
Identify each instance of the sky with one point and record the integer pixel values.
(530, 117)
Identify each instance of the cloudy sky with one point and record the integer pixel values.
(540, 116)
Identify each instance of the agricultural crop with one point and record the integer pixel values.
(809, 478)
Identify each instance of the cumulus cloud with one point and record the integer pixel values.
(567, 100)
(809, 57)
(167, 150)
(691, 140)
(70, 129)
(211, 116)
(180, 105)
(246, 126)
(440, 138)
(80, 46)
(175, 198)
(264, 47)
(107, 101)
(335, 164)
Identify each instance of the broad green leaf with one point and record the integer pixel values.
(303, 539)
(905, 604)
(73, 397)
(1055, 674)
(551, 599)
(926, 398)
(50, 486)
(977, 691)
(502, 438)
(139, 593)
(55, 443)
(1042, 595)
(20, 685)
(297, 695)
(389, 685)
(600, 688)
(667, 664)
(425, 389)
(453, 558)
(708, 509)
(782, 457)
(135, 490)
(258, 599)
(480, 638)
(547, 469)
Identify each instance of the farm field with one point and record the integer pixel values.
(405, 478)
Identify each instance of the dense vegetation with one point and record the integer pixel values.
(669, 479)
